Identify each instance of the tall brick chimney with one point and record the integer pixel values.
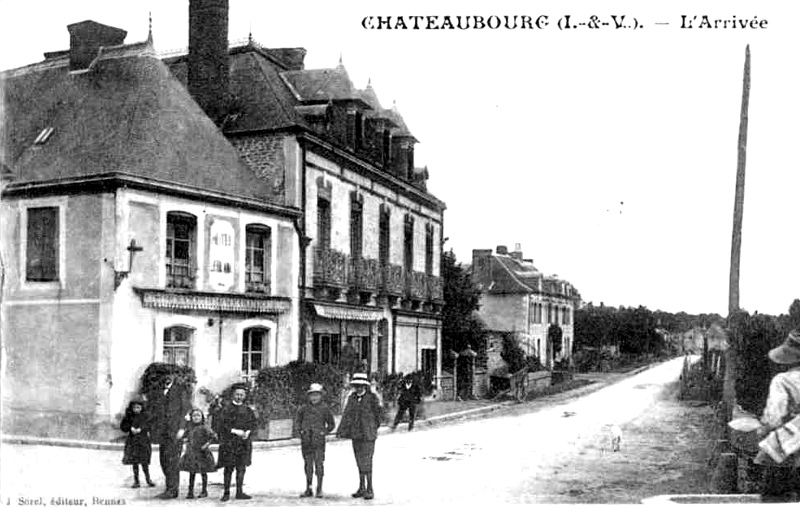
(85, 40)
(517, 253)
(208, 66)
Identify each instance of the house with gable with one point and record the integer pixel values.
(519, 300)
(132, 232)
(370, 234)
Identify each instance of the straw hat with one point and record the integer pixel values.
(314, 388)
(359, 379)
(789, 351)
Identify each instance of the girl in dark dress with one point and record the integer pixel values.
(236, 422)
(137, 445)
(197, 458)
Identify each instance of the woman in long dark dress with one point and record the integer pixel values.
(138, 447)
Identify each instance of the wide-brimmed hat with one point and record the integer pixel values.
(314, 388)
(789, 351)
(359, 379)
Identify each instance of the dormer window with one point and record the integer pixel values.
(387, 147)
(359, 130)
(410, 159)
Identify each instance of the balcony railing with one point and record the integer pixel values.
(417, 286)
(362, 274)
(180, 276)
(435, 290)
(330, 267)
(392, 280)
(258, 287)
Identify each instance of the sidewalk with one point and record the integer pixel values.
(435, 413)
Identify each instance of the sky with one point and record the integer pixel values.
(608, 154)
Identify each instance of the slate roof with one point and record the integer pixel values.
(126, 115)
(509, 276)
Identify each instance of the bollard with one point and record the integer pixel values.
(726, 473)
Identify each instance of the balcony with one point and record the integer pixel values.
(330, 268)
(392, 280)
(257, 287)
(417, 286)
(180, 275)
(362, 274)
(435, 290)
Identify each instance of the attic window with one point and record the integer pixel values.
(43, 136)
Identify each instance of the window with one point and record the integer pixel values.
(254, 350)
(359, 130)
(326, 348)
(361, 344)
(323, 224)
(42, 245)
(356, 227)
(177, 345)
(258, 252)
(384, 230)
(408, 244)
(410, 159)
(429, 250)
(180, 254)
(387, 147)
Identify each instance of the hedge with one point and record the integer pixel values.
(281, 390)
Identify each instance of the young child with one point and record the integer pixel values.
(236, 423)
(137, 445)
(197, 459)
(314, 420)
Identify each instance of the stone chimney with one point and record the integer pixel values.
(482, 268)
(208, 68)
(502, 250)
(292, 58)
(85, 40)
(517, 253)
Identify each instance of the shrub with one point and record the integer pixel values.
(281, 390)
(533, 363)
(512, 354)
(154, 380)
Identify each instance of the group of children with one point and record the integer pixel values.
(234, 424)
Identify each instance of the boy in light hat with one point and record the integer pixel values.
(313, 421)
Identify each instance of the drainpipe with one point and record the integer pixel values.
(300, 228)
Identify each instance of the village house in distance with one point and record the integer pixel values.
(224, 209)
(520, 300)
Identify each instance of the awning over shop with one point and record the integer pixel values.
(344, 313)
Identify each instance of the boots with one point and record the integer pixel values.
(226, 495)
(204, 491)
(319, 486)
(368, 495)
(190, 494)
(146, 470)
(361, 489)
(135, 476)
(240, 495)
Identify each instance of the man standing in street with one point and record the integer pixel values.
(409, 396)
(168, 429)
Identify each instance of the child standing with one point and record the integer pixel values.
(197, 459)
(137, 445)
(314, 420)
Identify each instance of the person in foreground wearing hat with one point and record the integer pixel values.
(360, 422)
(168, 429)
(138, 448)
(779, 454)
(236, 422)
(409, 396)
(313, 421)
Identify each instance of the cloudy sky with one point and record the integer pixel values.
(608, 154)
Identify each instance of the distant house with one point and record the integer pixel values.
(132, 232)
(518, 299)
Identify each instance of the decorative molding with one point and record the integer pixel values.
(233, 303)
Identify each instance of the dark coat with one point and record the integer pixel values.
(196, 459)
(169, 414)
(138, 448)
(234, 450)
(312, 423)
(361, 418)
(409, 395)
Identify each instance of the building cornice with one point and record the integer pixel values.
(114, 180)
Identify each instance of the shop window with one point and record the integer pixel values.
(326, 348)
(361, 345)
(42, 245)
(180, 255)
(254, 351)
(258, 253)
(177, 345)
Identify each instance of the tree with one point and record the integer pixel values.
(460, 325)
(794, 313)
(554, 336)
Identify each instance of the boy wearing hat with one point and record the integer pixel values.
(360, 422)
(236, 422)
(783, 404)
(313, 421)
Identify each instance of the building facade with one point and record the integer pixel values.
(132, 233)
(517, 298)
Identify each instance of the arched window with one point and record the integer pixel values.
(178, 345)
(254, 351)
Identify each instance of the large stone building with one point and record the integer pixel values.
(519, 299)
(225, 209)
(370, 234)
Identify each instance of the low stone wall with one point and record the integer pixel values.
(538, 380)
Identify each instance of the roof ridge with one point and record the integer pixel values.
(527, 289)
